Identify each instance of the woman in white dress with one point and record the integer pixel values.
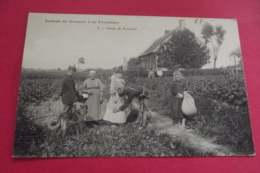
(115, 101)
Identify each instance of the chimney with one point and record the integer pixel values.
(167, 31)
(182, 24)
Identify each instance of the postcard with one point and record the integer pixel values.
(131, 86)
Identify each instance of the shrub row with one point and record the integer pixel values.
(58, 74)
(187, 72)
(225, 88)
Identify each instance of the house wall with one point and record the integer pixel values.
(149, 61)
(125, 67)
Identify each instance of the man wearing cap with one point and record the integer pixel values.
(69, 92)
(130, 92)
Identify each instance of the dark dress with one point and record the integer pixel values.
(175, 88)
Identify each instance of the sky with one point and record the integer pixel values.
(97, 38)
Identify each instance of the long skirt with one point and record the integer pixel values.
(119, 117)
(93, 106)
(176, 108)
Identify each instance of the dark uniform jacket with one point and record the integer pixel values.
(69, 93)
(131, 91)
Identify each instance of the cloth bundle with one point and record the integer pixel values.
(188, 105)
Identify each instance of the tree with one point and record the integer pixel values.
(215, 36)
(81, 61)
(236, 54)
(183, 50)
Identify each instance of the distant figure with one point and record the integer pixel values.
(177, 87)
(159, 73)
(94, 88)
(116, 101)
(69, 93)
(151, 73)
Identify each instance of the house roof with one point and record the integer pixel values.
(165, 38)
(156, 44)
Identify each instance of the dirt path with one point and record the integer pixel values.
(188, 137)
(160, 124)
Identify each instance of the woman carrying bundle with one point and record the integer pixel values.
(177, 87)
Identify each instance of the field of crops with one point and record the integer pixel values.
(228, 89)
(222, 114)
(35, 91)
(222, 107)
(34, 140)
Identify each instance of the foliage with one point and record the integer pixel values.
(81, 61)
(220, 32)
(106, 141)
(222, 107)
(35, 91)
(236, 52)
(133, 64)
(207, 32)
(130, 75)
(222, 115)
(184, 50)
(236, 55)
(36, 141)
(216, 35)
(28, 135)
(225, 88)
(59, 74)
(228, 125)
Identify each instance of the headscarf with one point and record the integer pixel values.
(92, 72)
(179, 74)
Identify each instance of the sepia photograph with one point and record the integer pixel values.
(131, 86)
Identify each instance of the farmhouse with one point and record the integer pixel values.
(235, 68)
(149, 58)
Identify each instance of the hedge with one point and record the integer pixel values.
(188, 72)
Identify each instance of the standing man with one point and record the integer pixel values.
(151, 73)
(130, 92)
(69, 93)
